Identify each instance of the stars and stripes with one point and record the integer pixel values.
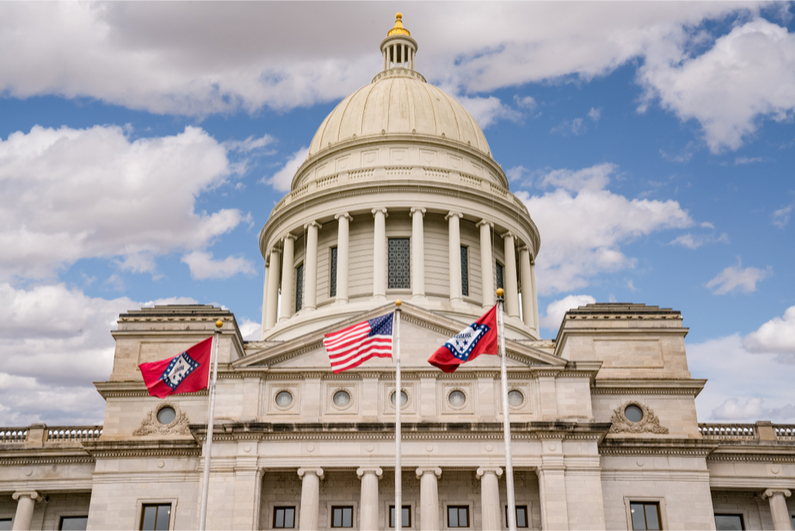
(352, 346)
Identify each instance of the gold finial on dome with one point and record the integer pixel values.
(398, 29)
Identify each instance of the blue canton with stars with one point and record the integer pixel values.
(381, 326)
(461, 346)
(179, 369)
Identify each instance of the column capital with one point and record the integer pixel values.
(313, 224)
(484, 222)
(380, 209)
(452, 214)
(315, 471)
(418, 209)
(32, 494)
(508, 234)
(369, 470)
(343, 215)
(769, 493)
(428, 470)
(289, 236)
(482, 471)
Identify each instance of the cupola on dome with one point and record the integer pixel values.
(399, 102)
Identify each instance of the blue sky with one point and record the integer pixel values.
(142, 147)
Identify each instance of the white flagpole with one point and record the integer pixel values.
(398, 405)
(506, 421)
(208, 440)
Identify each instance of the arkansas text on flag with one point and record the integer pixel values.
(357, 343)
(478, 338)
(186, 373)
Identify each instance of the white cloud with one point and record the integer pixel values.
(775, 336)
(54, 343)
(584, 226)
(781, 216)
(694, 241)
(742, 386)
(737, 278)
(202, 266)
(746, 160)
(557, 309)
(69, 194)
(516, 173)
(574, 127)
(250, 330)
(594, 114)
(249, 144)
(748, 74)
(282, 179)
(488, 110)
(525, 102)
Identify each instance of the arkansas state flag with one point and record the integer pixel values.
(478, 338)
(186, 373)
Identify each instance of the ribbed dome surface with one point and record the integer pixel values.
(398, 104)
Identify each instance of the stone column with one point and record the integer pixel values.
(528, 301)
(486, 263)
(287, 278)
(272, 304)
(310, 498)
(343, 254)
(26, 501)
(368, 501)
(379, 255)
(454, 239)
(491, 512)
(778, 508)
(417, 253)
(429, 497)
(310, 268)
(511, 288)
(535, 293)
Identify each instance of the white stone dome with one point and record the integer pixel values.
(398, 102)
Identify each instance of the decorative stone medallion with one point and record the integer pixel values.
(152, 426)
(648, 423)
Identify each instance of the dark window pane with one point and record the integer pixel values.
(391, 516)
(521, 516)
(337, 520)
(452, 517)
(638, 520)
(163, 517)
(278, 519)
(652, 522)
(463, 516)
(499, 276)
(5, 524)
(464, 271)
(289, 517)
(74, 523)
(347, 517)
(399, 274)
(148, 520)
(299, 287)
(333, 279)
(405, 520)
(729, 522)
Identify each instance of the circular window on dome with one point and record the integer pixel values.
(457, 399)
(342, 398)
(166, 415)
(633, 413)
(404, 398)
(515, 398)
(284, 398)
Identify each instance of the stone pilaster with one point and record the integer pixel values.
(490, 498)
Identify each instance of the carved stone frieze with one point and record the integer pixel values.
(151, 426)
(649, 423)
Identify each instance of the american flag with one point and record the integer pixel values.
(352, 346)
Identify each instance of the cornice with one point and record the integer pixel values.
(44, 456)
(657, 386)
(143, 448)
(656, 446)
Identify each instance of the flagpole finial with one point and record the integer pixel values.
(219, 323)
(398, 303)
(500, 293)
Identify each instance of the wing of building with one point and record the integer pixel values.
(400, 198)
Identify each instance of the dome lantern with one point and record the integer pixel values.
(398, 49)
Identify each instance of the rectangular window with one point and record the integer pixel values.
(299, 287)
(406, 516)
(464, 271)
(73, 523)
(333, 276)
(342, 517)
(457, 516)
(399, 274)
(283, 517)
(645, 515)
(5, 524)
(155, 517)
(521, 516)
(500, 275)
(729, 522)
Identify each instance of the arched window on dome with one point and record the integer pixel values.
(399, 260)
(299, 287)
(332, 272)
(465, 271)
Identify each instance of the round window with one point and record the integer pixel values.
(341, 398)
(284, 399)
(166, 415)
(633, 413)
(457, 398)
(403, 398)
(515, 398)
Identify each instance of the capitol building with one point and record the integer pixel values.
(400, 198)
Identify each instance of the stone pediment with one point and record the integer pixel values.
(421, 331)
